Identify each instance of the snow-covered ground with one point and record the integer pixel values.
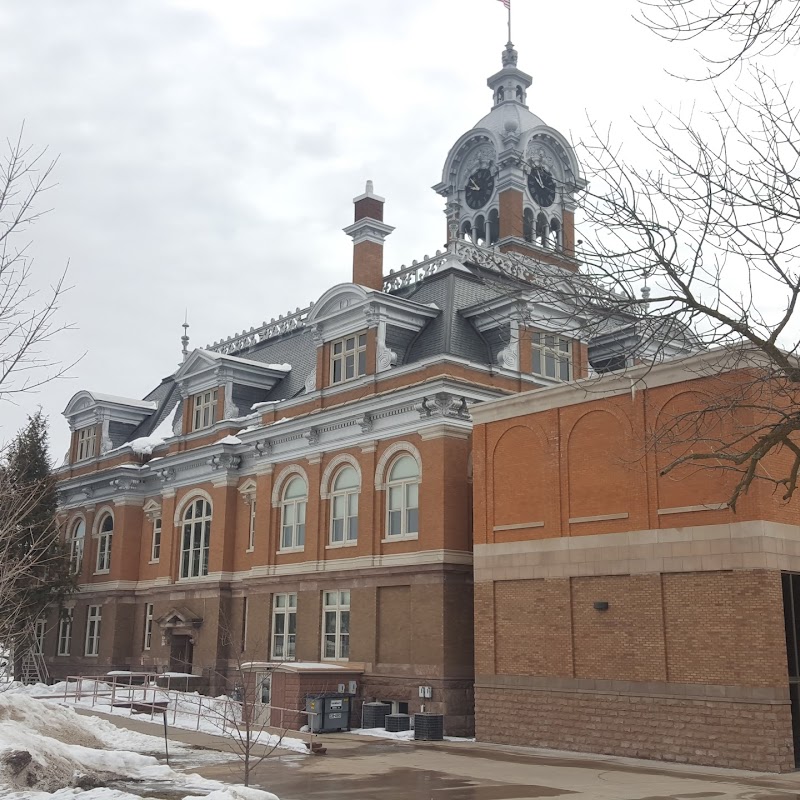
(50, 752)
(187, 710)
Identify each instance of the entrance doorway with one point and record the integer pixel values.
(180, 654)
(791, 617)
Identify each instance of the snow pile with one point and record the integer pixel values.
(230, 440)
(46, 748)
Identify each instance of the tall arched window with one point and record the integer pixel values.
(293, 514)
(542, 229)
(555, 234)
(104, 544)
(196, 539)
(344, 506)
(479, 236)
(494, 226)
(527, 225)
(402, 498)
(76, 540)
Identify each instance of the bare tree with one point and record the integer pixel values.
(28, 318)
(746, 28)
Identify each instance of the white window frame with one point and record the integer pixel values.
(204, 409)
(39, 634)
(64, 632)
(155, 542)
(348, 358)
(198, 529)
(87, 438)
(284, 606)
(94, 618)
(76, 545)
(104, 541)
(335, 625)
(293, 517)
(347, 501)
(149, 608)
(402, 488)
(251, 530)
(550, 348)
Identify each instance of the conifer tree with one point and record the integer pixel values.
(34, 564)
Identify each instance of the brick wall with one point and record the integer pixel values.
(717, 733)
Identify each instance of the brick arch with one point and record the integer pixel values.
(283, 476)
(600, 464)
(191, 496)
(389, 455)
(73, 521)
(103, 512)
(680, 425)
(522, 473)
(335, 464)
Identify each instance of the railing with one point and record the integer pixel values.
(418, 271)
(225, 714)
(267, 330)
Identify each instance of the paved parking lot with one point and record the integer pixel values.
(360, 767)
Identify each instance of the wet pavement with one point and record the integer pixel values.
(358, 768)
(366, 768)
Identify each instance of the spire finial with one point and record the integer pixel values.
(510, 55)
(185, 337)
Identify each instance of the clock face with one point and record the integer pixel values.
(541, 186)
(480, 186)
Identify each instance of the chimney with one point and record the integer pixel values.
(368, 232)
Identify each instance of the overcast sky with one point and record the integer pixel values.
(209, 151)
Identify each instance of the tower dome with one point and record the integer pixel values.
(511, 180)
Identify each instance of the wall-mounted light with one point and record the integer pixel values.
(601, 605)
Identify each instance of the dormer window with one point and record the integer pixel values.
(349, 358)
(86, 443)
(204, 407)
(552, 356)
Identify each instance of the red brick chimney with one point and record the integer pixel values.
(368, 232)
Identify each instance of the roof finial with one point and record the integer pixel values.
(185, 337)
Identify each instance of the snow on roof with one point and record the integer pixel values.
(248, 361)
(144, 445)
(229, 440)
(124, 401)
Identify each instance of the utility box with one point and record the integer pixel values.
(328, 712)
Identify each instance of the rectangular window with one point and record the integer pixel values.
(93, 618)
(251, 537)
(336, 625)
(39, 631)
(65, 632)
(86, 439)
(204, 410)
(155, 550)
(552, 356)
(104, 552)
(148, 625)
(349, 358)
(284, 626)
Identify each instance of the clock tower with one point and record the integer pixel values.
(512, 181)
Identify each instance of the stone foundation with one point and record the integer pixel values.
(713, 732)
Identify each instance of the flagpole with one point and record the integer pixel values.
(509, 21)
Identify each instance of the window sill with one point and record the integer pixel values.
(403, 537)
(91, 655)
(250, 550)
(189, 578)
(299, 549)
(337, 545)
(102, 571)
(334, 660)
(154, 561)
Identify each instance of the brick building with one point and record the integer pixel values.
(621, 610)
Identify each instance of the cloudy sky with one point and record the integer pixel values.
(209, 151)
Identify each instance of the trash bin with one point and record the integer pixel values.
(328, 712)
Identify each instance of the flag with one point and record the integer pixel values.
(507, 4)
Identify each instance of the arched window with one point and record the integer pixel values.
(76, 540)
(555, 234)
(520, 94)
(344, 507)
(527, 225)
(541, 229)
(293, 514)
(196, 539)
(501, 94)
(480, 230)
(402, 501)
(494, 226)
(104, 544)
(466, 230)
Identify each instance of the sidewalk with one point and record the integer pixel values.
(364, 767)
